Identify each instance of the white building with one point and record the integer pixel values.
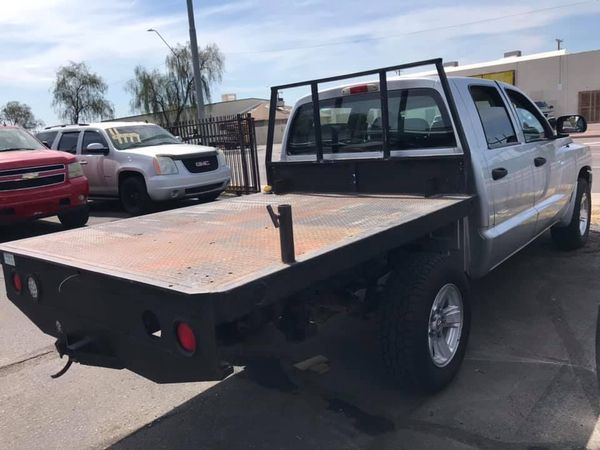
(568, 81)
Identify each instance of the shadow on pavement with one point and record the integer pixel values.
(528, 380)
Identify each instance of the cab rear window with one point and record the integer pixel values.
(352, 124)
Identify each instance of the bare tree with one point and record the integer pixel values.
(167, 94)
(17, 113)
(79, 94)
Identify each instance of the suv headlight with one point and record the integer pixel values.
(75, 170)
(165, 166)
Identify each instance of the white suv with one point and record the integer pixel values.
(140, 163)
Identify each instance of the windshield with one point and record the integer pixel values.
(17, 139)
(133, 136)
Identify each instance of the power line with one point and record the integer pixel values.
(392, 36)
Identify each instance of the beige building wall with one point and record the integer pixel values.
(556, 78)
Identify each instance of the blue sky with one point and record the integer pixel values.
(269, 42)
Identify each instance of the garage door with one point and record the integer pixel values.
(589, 105)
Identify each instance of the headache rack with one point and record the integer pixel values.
(424, 175)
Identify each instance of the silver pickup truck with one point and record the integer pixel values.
(389, 197)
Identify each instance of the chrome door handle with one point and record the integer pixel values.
(83, 163)
(539, 161)
(498, 173)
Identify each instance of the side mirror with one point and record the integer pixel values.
(96, 148)
(179, 138)
(45, 143)
(551, 107)
(570, 124)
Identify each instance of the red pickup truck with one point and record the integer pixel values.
(36, 182)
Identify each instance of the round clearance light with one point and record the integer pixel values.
(17, 282)
(186, 337)
(33, 288)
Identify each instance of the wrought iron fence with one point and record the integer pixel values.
(236, 136)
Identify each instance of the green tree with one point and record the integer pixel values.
(167, 94)
(79, 94)
(17, 113)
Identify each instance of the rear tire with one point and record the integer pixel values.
(74, 219)
(425, 321)
(575, 235)
(134, 196)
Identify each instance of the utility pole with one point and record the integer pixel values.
(195, 61)
(558, 42)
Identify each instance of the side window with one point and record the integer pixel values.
(532, 125)
(68, 142)
(47, 137)
(497, 126)
(92, 137)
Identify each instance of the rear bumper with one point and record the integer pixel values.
(171, 187)
(31, 204)
(95, 326)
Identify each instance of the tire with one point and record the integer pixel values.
(575, 235)
(74, 219)
(134, 196)
(405, 327)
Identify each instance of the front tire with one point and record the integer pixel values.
(575, 235)
(75, 218)
(425, 321)
(134, 196)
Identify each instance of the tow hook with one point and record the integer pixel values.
(63, 348)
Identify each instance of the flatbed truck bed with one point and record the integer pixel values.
(220, 252)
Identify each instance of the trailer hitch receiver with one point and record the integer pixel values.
(284, 222)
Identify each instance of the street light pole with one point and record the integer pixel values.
(195, 61)
(152, 30)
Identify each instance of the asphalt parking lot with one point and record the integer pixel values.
(528, 380)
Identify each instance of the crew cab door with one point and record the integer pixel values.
(507, 172)
(93, 162)
(551, 159)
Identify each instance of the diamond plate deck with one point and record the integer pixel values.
(217, 246)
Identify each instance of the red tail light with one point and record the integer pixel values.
(17, 282)
(186, 337)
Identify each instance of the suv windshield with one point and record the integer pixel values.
(17, 139)
(134, 136)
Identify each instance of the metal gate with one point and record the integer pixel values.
(236, 136)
